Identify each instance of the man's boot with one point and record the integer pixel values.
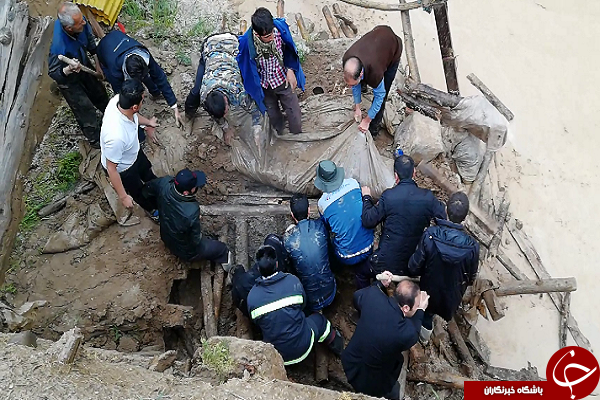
(424, 335)
(336, 344)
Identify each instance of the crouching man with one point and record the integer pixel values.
(275, 304)
(179, 215)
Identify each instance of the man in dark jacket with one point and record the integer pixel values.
(387, 327)
(275, 304)
(83, 92)
(447, 259)
(405, 210)
(179, 215)
(372, 61)
(271, 70)
(123, 57)
(307, 243)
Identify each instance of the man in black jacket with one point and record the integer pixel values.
(387, 327)
(446, 259)
(179, 216)
(405, 210)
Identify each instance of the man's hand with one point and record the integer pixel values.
(127, 201)
(387, 278)
(424, 301)
(228, 136)
(72, 68)
(150, 129)
(357, 113)
(364, 124)
(291, 79)
(366, 191)
(178, 121)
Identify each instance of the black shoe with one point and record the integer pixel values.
(154, 216)
(337, 345)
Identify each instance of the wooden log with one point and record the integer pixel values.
(403, 373)
(60, 203)
(424, 373)
(475, 81)
(243, 26)
(433, 95)
(504, 374)
(420, 106)
(243, 324)
(463, 350)
(510, 266)
(398, 278)
(549, 285)
(493, 305)
(219, 277)
(331, 23)
(321, 363)
(409, 45)
(96, 28)
(302, 27)
(413, 5)
(475, 341)
(564, 320)
(250, 210)
(280, 8)
(210, 324)
(502, 214)
(348, 32)
(347, 21)
(446, 50)
(73, 62)
(481, 174)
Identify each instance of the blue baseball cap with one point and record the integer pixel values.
(186, 180)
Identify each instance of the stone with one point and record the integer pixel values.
(65, 350)
(163, 362)
(127, 344)
(322, 35)
(26, 338)
(419, 137)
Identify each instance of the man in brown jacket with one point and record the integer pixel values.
(372, 60)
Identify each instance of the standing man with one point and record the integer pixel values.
(446, 259)
(372, 60)
(276, 304)
(341, 207)
(271, 69)
(387, 327)
(123, 57)
(127, 165)
(219, 87)
(405, 210)
(307, 243)
(179, 214)
(83, 92)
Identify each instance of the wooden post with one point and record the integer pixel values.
(210, 324)
(491, 97)
(243, 26)
(219, 277)
(302, 27)
(446, 50)
(337, 12)
(348, 32)
(541, 286)
(409, 45)
(391, 7)
(96, 28)
(565, 311)
(280, 8)
(331, 23)
(243, 324)
(502, 213)
(321, 363)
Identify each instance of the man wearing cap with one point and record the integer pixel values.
(179, 214)
(340, 207)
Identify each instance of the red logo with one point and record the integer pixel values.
(573, 372)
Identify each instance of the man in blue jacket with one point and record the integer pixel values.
(271, 69)
(341, 207)
(276, 304)
(123, 57)
(84, 93)
(446, 259)
(307, 243)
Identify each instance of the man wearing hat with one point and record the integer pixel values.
(179, 215)
(341, 208)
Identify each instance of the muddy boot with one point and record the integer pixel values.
(424, 335)
(336, 345)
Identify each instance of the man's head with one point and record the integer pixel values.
(299, 207)
(131, 95)
(353, 71)
(216, 104)
(408, 296)
(136, 67)
(266, 257)
(457, 207)
(262, 24)
(71, 18)
(404, 168)
(329, 176)
(187, 182)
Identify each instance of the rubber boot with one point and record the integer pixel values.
(424, 335)
(336, 345)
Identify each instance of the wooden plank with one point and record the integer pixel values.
(409, 45)
(420, 106)
(210, 323)
(491, 97)
(565, 311)
(463, 350)
(413, 5)
(446, 50)
(481, 174)
(502, 214)
(549, 285)
(96, 28)
(505, 374)
(219, 277)
(509, 265)
(331, 23)
(425, 373)
(493, 305)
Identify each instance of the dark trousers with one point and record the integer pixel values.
(289, 103)
(388, 79)
(134, 179)
(212, 250)
(428, 320)
(363, 274)
(192, 102)
(86, 96)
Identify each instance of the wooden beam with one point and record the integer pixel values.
(565, 311)
(219, 277)
(493, 305)
(250, 210)
(491, 97)
(280, 8)
(413, 5)
(243, 325)
(446, 50)
(549, 285)
(425, 373)
(349, 33)
(96, 28)
(409, 45)
(475, 190)
(433, 95)
(302, 27)
(337, 13)
(210, 323)
(420, 106)
(463, 350)
(505, 374)
(331, 23)
(502, 214)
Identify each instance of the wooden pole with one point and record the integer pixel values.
(481, 174)
(302, 27)
(96, 28)
(462, 348)
(344, 19)
(409, 45)
(491, 96)
(420, 106)
(493, 305)
(243, 26)
(502, 213)
(438, 97)
(541, 286)
(425, 373)
(403, 373)
(280, 8)
(72, 62)
(391, 7)
(337, 12)
(219, 277)
(243, 324)
(565, 311)
(331, 23)
(210, 324)
(446, 50)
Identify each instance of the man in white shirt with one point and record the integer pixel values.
(127, 165)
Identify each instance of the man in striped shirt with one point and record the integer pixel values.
(275, 304)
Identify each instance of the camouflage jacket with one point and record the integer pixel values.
(223, 74)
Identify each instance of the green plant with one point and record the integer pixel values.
(10, 288)
(68, 169)
(133, 10)
(163, 16)
(301, 55)
(115, 333)
(183, 58)
(201, 29)
(216, 357)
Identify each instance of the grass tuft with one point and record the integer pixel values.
(163, 14)
(201, 29)
(183, 58)
(10, 288)
(216, 357)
